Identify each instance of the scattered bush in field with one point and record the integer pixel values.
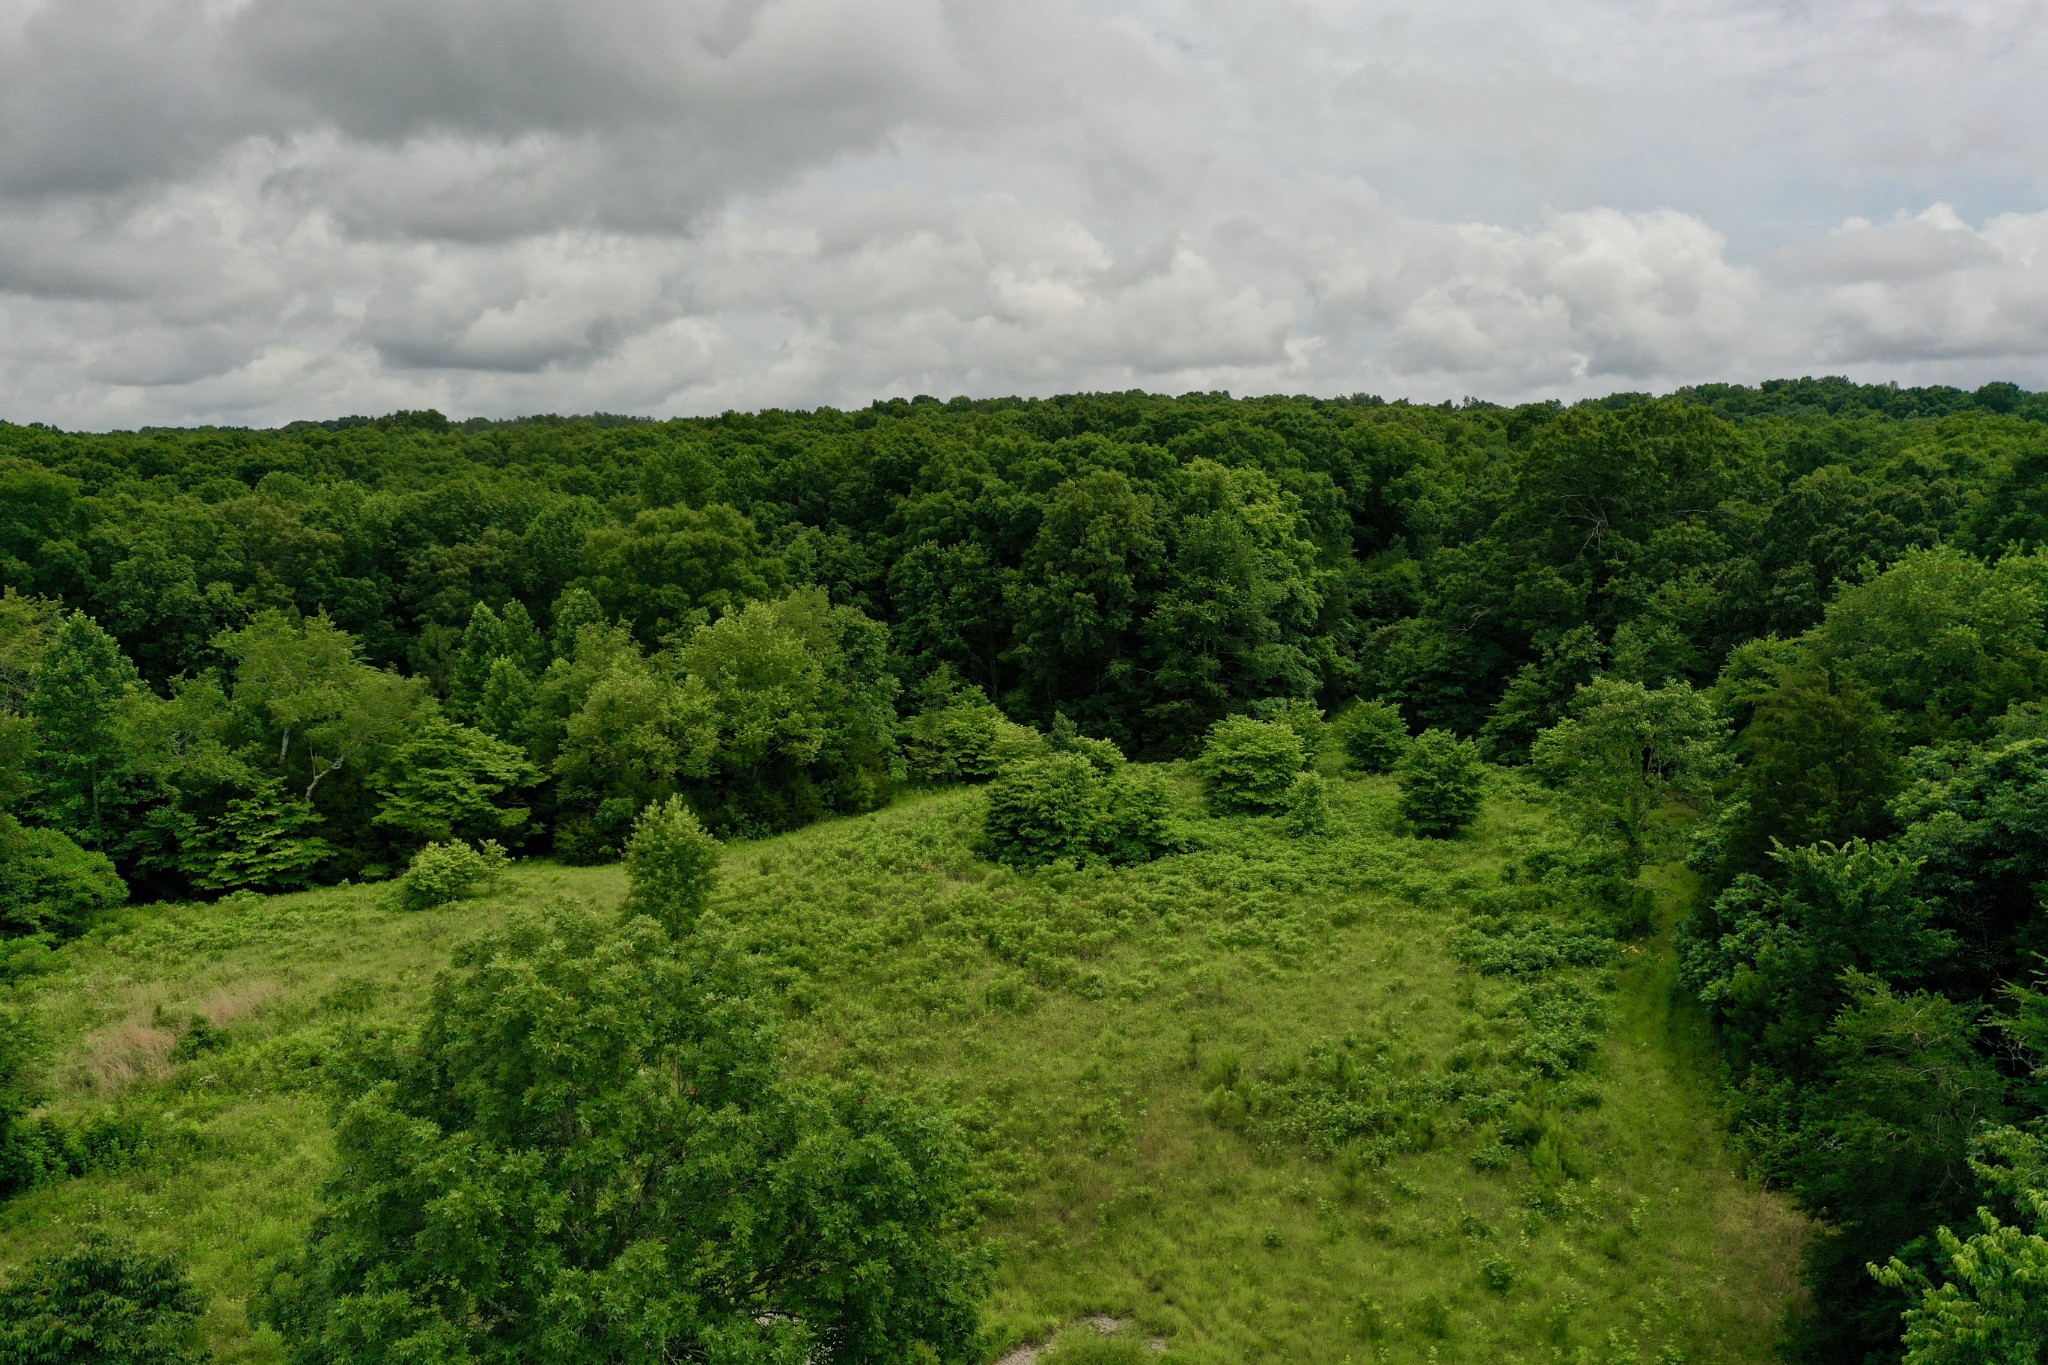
(1373, 735)
(650, 1143)
(48, 884)
(956, 737)
(1497, 1273)
(104, 1303)
(1042, 810)
(1441, 779)
(1137, 818)
(1248, 765)
(1308, 806)
(671, 865)
(1102, 754)
(441, 873)
(1298, 714)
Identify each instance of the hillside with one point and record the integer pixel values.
(1150, 1063)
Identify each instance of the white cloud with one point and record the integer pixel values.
(253, 210)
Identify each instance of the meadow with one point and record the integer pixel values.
(1272, 1098)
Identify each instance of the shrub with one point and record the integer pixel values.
(1298, 714)
(48, 884)
(1441, 778)
(1308, 806)
(671, 864)
(1102, 754)
(1044, 809)
(441, 873)
(955, 738)
(1248, 765)
(1061, 806)
(1373, 735)
(1137, 819)
(103, 1304)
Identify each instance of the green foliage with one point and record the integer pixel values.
(956, 736)
(1373, 735)
(260, 841)
(104, 1303)
(1042, 810)
(49, 885)
(671, 866)
(1626, 751)
(650, 1187)
(447, 782)
(1298, 714)
(1990, 1309)
(1819, 764)
(1769, 957)
(1248, 766)
(446, 872)
(1442, 781)
(1308, 806)
(672, 568)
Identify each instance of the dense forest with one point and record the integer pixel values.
(1793, 636)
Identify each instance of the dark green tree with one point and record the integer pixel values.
(104, 1303)
(589, 1153)
(1442, 782)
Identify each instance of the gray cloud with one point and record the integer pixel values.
(252, 210)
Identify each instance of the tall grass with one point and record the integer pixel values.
(1262, 1100)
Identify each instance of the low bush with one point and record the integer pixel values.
(1308, 806)
(1441, 780)
(1372, 734)
(1062, 807)
(441, 873)
(1248, 765)
(105, 1303)
(957, 737)
(1298, 714)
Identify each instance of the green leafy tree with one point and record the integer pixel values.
(1819, 763)
(450, 782)
(1883, 1147)
(1768, 957)
(1248, 766)
(1991, 1309)
(671, 867)
(82, 683)
(1373, 735)
(263, 840)
(328, 710)
(674, 567)
(590, 1153)
(1241, 597)
(1944, 641)
(49, 885)
(955, 734)
(1625, 752)
(1442, 782)
(104, 1303)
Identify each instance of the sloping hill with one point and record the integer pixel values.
(1320, 1099)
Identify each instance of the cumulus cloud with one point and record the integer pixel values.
(252, 210)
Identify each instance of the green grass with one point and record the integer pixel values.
(1081, 1024)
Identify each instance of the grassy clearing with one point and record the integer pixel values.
(1136, 1054)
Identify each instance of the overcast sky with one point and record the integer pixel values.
(249, 211)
